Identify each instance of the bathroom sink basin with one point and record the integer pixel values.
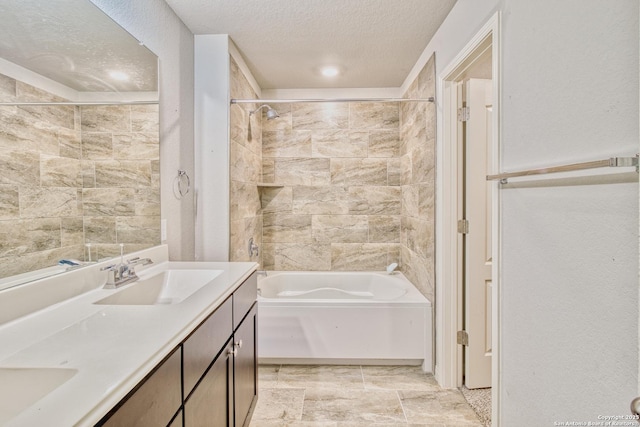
(22, 387)
(163, 288)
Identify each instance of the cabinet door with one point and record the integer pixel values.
(245, 368)
(243, 298)
(204, 344)
(155, 401)
(211, 403)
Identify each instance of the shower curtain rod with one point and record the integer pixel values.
(19, 104)
(296, 101)
(612, 162)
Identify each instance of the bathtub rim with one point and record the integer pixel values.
(411, 298)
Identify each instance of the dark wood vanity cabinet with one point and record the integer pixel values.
(155, 401)
(245, 367)
(218, 386)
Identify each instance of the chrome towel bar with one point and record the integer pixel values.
(612, 162)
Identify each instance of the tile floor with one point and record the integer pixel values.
(356, 396)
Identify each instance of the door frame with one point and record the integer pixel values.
(449, 267)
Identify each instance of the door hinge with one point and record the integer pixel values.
(463, 338)
(463, 226)
(463, 114)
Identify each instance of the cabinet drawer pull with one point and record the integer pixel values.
(232, 351)
(239, 344)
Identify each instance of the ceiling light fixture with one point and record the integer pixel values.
(330, 71)
(119, 75)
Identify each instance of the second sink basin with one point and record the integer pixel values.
(164, 287)
(20, 388)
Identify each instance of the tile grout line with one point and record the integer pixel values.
(402, 406)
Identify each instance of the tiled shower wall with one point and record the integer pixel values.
(70, 176)
(339, 204)
(245, 152)
(417, 151)
(356, 183)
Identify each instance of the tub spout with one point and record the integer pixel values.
(391, 268)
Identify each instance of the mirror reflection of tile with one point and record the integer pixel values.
(73, 175)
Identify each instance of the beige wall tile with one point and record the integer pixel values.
(70, 142)
(410, 200)
(136, 146)
(320, 200)
(9, 199)
(60, 172)
(359, 171)
(375, 200)
(321, 115)
(109, 201)
(245, 201)
(286, 228)
(147, 201)
(268, 170)
(359, 256)
(302, 171)
(54, 161)
(373, 115)
(7, 89)
(244, 165)
(340, 143)
(106, 118)
(340, 228)
(123, 173)
(297, 256)
(276, 199)
(21, 132)
(88, 170)
(72, 231)
(422, 163)
(138, 229)
(286, 143)
(48, 202)
(101, 229)
(384, 143)
(20, 168)
(97, 145)
(384, 228)
(394, 171)
(145, 118)
(32, 235)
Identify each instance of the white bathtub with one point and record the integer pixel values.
(343, 317)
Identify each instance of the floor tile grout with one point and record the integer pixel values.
(419, 389)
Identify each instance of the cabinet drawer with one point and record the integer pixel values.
(201, 347)
(243, 298)
(155, 401)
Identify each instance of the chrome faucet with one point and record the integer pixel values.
(391, 268)
(253, 248)
(123, 273)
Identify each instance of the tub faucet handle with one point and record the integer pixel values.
(391, 268)
(253, 248)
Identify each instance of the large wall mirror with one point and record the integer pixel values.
(79, 139)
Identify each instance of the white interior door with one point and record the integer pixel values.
(477, 252)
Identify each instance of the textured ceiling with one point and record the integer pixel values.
(76, 44)
(375, 43)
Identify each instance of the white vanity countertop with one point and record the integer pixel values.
(112, 347)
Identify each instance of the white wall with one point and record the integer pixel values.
(155, 24)
(212, 83)
(570, 252)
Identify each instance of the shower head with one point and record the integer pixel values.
(271, 113)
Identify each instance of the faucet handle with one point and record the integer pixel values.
(109, 267)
